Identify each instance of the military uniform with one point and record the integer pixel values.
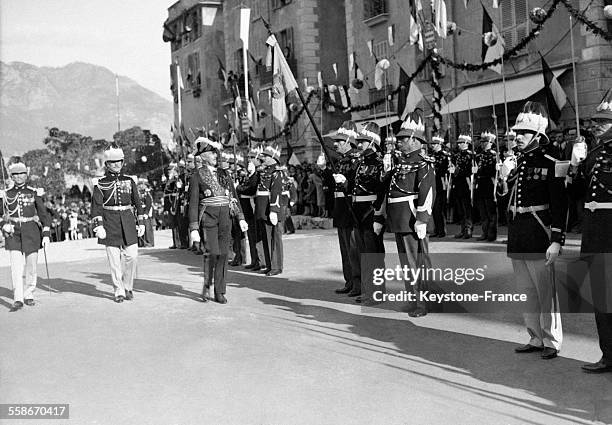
(115, 198)
(148, 240)
(274, 232)
(246, 190)
(172, 208)
(484, 197)
(183, 208)
(262, 210)
(441, 164)
(462, 181)
(23, 208)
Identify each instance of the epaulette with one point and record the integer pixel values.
(427, 158)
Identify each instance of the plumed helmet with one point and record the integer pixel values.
(370, 132)
(273, 151)
(436, 138)
(17, 168)
(413, 126)
(533, 118)
(347, 132)
(488, 136)
(113, 153)
(204, 144)
(604, 109)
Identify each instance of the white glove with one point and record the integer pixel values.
(100, 232)
(179, 184)
(195, 236)
(140, 230)
(420, 229)
(8, 228)
(244, 226)
(507, 167)
(339, 178)
(46, 241)
(377, 228)
(451, 169)
(291, 203)
(474, 169)
(273, 218)
(579, 153)
(552, 253)
(387, 164)
(498, 165)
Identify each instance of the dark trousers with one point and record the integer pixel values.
(488, 217)
(414, 254)
(274, 235)
(252, 237)
(463, 205)
(289, 227)
(344, 240)
(600, 274)
(183, 232)
(262, 237)
(438, 212)
(363, 242)
(216, 228)
(215, 267)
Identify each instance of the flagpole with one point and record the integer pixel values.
(496, 144)
(117, 96)
(180, 111)
(503, 74)
(574, 75)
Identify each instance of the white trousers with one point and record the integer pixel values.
(542, 317)
(23, 271)
(123, 263)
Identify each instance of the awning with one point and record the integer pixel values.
(381, 121)
(517, 89)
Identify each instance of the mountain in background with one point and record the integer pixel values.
(78, 97)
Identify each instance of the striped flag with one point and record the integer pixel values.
(283, 81)
(555, 95)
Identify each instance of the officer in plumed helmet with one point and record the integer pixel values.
(410, 189)
(462, 181)
(441, 163)
(247, 190)
(273, 217)
(592, 172)
(114, 200)
(536, 228)
(212, 202)
(484, 186)
(25, 224)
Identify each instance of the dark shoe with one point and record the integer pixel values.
(206, 294)
(16, 306)
(119, 299)
(354, 293)
(549, 353)
(234, 263)
(265, 271)
(29, 302)
(220, 298)
(467, 235)
(482, 238)
(274, 272)
(598, 367)
(256, 268)
(344, 290)
(129, 295)
(252, 265)
(418, 312)
(460, 235)
(172, 247)
(492, 239)
(527, 348)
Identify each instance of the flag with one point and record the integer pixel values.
(221, 73)
(179, 76)
(404, 85)
(370, 47)
(335, 66)
(465, 3)
(208, 15)
(555, 95)
(351, 61)
(390, 37)
(283, 81)
(496, 51)
(414, 27)
(495, 4)
(440, 22)
(245, 19)
(320, 79)
(413, 98)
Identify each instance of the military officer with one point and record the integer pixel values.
(171, 203)
(212, 202)
(25, 224)
(368, 194)
(536, 229)
(463, 180)
(182, 185)
(274, 217)
(148, 240)
(484, 189)
(262, 209)
(247, 190)
(410, 193)
(442, 162)
(235, 169)
(346, 164)
(114, 199)
(594, 174)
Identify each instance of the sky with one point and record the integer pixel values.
(124, 36)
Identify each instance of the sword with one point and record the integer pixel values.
(47, 268)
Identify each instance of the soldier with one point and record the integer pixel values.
(235, 169)
(463, 180)
(212, 202)
(368, 195)
(594, 175)
(114, 199)
(246, 190)
(289, 196)
(442, 163)
(274, 212)
(182, 185)
(171, 203)
(536, 229)
(484, 190)
(410, 192)
(148, 240)
(23, 216)
(346, 164)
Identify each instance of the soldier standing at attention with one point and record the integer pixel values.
(115, 197)
(485, 173)
(461, 170)
(442, 161)
(24, 215)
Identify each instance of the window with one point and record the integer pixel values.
(372, 8)
(285, 41)
(277, 4)
(193, 78)
(381, 50)
(515, 21)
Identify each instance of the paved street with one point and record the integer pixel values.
(284, 350)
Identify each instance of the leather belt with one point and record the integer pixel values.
(285, 193)
(246, 197)
(23, 219)
(401, 199)
(364, 198)
(339, 195)
(262, 193)
(532, 209)
(594, 205)
(117, 207)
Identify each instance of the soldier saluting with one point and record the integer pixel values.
(594, 174)
(212, 202)
(536, 229)
(23, 217)
(115, 198)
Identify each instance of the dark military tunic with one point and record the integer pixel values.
(114, 201)
(485, 177)
(535, 187)
(367, 188)
(247, 191)
(441, 163)
(463, 161)
(347, 166)
(24, 209)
